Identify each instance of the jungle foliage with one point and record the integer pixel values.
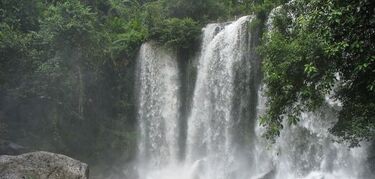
(316, 49)
(67, 69)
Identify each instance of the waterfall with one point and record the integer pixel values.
(223, 137)
(211, 125)
(158, 100)
(307, 150)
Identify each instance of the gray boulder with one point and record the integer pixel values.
(41, 165)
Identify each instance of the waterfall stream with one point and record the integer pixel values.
(212, 125)
(158, 115)
(223, 139)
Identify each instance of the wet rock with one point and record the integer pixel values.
(41, 165)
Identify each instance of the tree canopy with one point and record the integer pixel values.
(317, 48)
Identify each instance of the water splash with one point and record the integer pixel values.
(308, 151)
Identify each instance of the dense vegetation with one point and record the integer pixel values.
(67, 69)
(319, 48)
(67, 66)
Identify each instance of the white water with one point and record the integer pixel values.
(308, 150)
(210, 126)
(158, 114)
(216, 144)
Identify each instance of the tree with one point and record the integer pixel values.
(200, 10)
(315, 48)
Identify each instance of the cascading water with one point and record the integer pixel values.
(158, 115)
(211, 142)
(223, 138)
(307, 150)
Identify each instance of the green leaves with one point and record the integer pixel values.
(310, 69)
(126, 38)
(196, 9)
(174, 32)
(305, 52)
(70, 23)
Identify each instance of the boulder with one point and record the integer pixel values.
(41, 165)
